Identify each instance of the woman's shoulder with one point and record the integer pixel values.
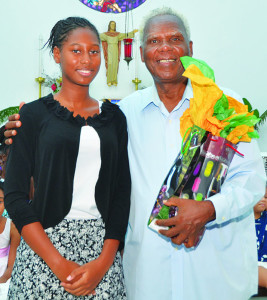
(34, 112)
(110, 114)
(37, 104)
(112, 109)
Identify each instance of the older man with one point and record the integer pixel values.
(224, 265)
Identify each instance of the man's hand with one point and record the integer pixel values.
(188, 224)
(13, 122)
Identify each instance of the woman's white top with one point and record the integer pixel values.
(86, 175)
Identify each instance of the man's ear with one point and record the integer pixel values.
(142, 54)
(191, 48)
(56, 54)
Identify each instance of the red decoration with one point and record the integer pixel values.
(128, 50)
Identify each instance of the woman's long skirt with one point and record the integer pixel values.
(78, 240)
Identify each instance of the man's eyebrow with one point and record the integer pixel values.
(151, 36)
(155, 35)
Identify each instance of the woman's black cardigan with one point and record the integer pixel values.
(46, 147)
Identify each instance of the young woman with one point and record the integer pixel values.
(76, 152)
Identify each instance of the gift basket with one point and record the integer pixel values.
(211, 128)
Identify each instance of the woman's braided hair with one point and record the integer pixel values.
(62, 29)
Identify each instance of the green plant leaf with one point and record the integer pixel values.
(263, 118)
(256, 113)
(5, 113)
(246, 102)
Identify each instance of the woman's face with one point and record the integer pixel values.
(79, 57)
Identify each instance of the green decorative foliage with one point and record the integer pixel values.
(262, 117)
(256, 113)
(53, 83)
(221, 109)
(242, 119)
(5, 113)
(246, 102)
(202, 65)
(254, 134)
(164, 212)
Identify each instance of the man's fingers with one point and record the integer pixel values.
(21, 104)
(173, 201)
(194, 239)
(179, 239)
(174, 221)
(173, 231)
(8, 142)
(190, 242)
(14, 117)
(13, 124)
(170, 232)
(10, 133)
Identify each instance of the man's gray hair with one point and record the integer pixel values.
(161, 12)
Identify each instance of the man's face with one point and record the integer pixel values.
(165, 41)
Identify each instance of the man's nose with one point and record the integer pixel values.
(165, 46)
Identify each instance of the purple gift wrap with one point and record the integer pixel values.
(202, 178)
(178, 175)
(210, 169)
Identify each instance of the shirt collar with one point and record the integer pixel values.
(188, 93)
(152, 96)
(147, 97)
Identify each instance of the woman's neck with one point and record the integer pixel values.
(78, 101)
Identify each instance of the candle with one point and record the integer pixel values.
(40, 55)
(136, 57)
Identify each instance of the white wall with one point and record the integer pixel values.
(229, 35)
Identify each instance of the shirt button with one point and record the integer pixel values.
(223, 218)
(170, 121)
